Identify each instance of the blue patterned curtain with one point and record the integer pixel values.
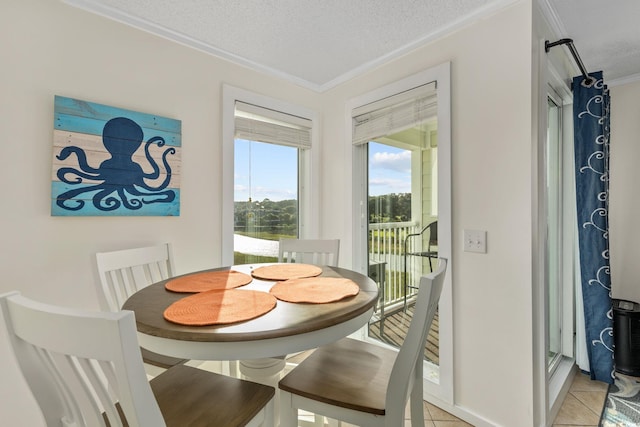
(591, 139)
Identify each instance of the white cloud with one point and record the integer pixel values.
(399, 162)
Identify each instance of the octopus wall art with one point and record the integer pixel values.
(110, 161)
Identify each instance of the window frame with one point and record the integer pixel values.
(308, 196)
(552, 387)
(554, 242)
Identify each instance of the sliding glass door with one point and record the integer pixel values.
(402, 175)
(553, 272)
(402, 198)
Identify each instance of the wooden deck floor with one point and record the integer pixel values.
(395, 329)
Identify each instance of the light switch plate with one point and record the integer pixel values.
(475, 241)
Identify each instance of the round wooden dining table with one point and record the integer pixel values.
(288, 328)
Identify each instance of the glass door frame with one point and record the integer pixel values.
(553, 238)
(550, 387)
(443, 388)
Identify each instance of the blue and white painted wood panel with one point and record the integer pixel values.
(111, 161)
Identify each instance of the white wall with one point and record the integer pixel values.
(49, 48)
(624, 204)
(491, 152)
(56, 49)
(62, 50)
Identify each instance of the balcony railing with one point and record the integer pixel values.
(387, 259)
(386, 246)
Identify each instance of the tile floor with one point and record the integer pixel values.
(433, 417)
(581, 407)
(436, 417)
(584, 402)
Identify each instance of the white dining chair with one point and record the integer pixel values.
(363, 383)
(309, 251)
(84, 369)
(124, 272)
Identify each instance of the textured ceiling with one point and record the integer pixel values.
(605, 33)
(321, 43)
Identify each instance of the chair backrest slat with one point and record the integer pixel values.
(309, 251)
(124, 272)
(88, 376)
(69, 404)
(157, 271)
(408, 365)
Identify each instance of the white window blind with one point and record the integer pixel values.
(261, 124)
(395, 113)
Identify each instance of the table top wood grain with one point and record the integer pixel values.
(286, 320)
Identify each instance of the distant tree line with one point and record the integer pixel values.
(281, 217)
(266, 216)
(395, 207)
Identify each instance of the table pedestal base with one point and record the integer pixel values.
(264, 371)
(268, 372)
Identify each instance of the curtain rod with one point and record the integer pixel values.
(569, 42)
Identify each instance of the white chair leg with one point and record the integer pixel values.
(417, 405)
(288, 414)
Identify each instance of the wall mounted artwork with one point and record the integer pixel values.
(108, 161)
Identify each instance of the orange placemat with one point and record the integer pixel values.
(317, 290)
(219, 307)
(286, 271)
(207, 281)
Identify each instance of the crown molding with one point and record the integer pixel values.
(634, 78)
(95, 7)
(553, 20)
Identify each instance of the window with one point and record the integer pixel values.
(265, 202)
(266, 174)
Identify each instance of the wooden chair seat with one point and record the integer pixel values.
(160, 360)
(196, 398)
(348, 373)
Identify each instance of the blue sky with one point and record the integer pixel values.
(271, 175)
(273, 178)
(389, 170)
